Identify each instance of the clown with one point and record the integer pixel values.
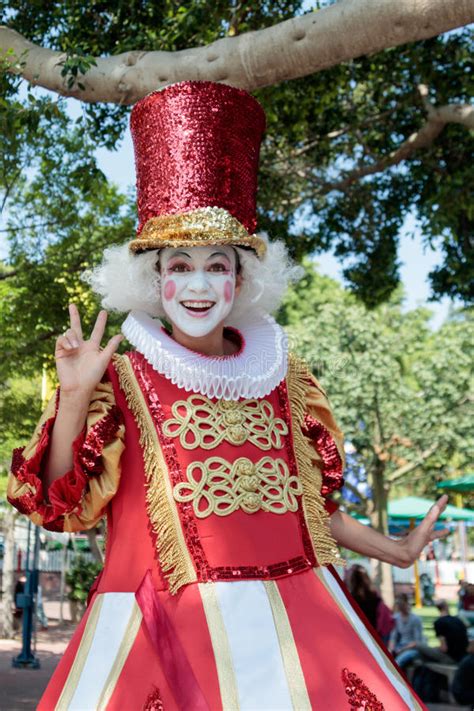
(211, 450)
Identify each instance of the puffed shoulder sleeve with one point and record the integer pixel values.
(326, 439)
(77, 500)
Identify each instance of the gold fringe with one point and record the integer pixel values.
(173, 554)
(315, 514)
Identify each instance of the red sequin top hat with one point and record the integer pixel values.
(196, 153)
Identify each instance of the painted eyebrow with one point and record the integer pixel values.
(219, 254)
(176, 254)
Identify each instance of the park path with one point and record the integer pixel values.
(21, 689)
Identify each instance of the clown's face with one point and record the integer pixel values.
(198, 287)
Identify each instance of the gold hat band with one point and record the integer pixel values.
(197, 228)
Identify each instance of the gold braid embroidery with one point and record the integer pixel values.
(223, 487)
(315, 514)
(173, 554)
(199, 422)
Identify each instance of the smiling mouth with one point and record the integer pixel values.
(198, 308)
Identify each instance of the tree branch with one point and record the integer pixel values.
(438, 118)
(407, 468)
(9, 275)
(354, 490)
(290, 49)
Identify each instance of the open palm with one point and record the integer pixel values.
(423, 534)
(81, 363)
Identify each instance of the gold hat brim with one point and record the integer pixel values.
(198, 228)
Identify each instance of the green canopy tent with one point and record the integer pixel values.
(415, 508)
(461, 485)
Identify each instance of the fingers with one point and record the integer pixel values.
(99, 328)
(62, 344)
(72, 337)
(75, 320)
(68, 341)
(436, 510)
(439, 534)
(442, 503)
(112, 346)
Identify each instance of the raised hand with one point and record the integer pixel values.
(81, 363)
(423, 534)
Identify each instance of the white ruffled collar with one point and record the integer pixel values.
(253, 372)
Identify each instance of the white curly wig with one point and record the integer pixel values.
(128, 281)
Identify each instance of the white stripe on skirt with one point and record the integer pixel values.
(118, 619)
(254, 645)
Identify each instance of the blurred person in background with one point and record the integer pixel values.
(364, 593)
(466, 604)
(452, 649)
(462, 687)
(407, 633)
(452, 638)
(427, 589)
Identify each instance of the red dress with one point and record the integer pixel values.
(218, 590)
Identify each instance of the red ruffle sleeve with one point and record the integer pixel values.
(327, 442)
(77, 500)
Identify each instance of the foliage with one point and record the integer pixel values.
(20, 406)
(402, 393)
(80, 577)
(3, 486)
(320, 129)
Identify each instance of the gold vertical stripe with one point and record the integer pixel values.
(221, 647)
(126, 644)
(291, 661)
(80, 659)
(389, 668)
(316, 517)
(173, 553)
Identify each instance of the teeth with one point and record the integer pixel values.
(198, 304)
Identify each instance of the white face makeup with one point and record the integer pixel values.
(197, 287)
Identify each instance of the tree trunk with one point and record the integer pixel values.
(8, 575)
(94, 546)
(294, 48)
(383, 574)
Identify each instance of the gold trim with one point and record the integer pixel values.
(387, 663)
(81, 656)
(221, 647)
(126, 645)
(204, 226)
(316, 517)
(216, 486)
(173, 554)
(200, 423)
(291, 661)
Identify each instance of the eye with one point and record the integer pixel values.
(179, 267)
(218, 267)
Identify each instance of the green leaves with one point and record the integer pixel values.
(80, 578)
(398, 389)
(74, 65)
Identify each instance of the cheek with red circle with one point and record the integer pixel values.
(228, 291)
(169, 289)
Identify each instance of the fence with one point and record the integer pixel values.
(442, 572)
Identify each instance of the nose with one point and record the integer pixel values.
(199, 284)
